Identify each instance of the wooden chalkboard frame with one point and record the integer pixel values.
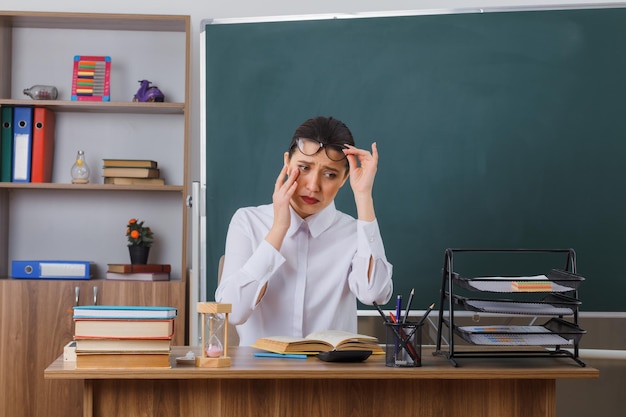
(501, 129)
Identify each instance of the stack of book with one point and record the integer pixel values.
(139, 272)
(123, 336)
(131, 172)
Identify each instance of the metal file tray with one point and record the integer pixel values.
(562, 281)
(555, 332)
(550, 305)
(527, 296)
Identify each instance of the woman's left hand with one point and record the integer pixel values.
(363, 166)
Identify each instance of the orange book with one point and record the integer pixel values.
(43, 145)
(123, 328)
(122, 360)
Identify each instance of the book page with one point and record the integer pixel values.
(335, 337)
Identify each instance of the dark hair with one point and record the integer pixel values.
(326, 130)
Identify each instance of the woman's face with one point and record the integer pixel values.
(319, 180)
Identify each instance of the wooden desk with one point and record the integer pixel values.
(310, 387)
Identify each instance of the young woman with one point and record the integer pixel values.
(298, 265)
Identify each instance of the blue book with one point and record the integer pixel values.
(125, 312)
(22, 143)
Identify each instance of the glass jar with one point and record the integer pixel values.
(42, 92)
(80, 169)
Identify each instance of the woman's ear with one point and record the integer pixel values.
(345, 178)
(286, 158)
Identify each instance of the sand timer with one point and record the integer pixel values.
(214, 335)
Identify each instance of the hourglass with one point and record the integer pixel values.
(214, 335)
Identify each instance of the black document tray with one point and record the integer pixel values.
(566, 334)
(564, 280)
(550, 305)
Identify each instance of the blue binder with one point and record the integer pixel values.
(22, 143)
(51, 269)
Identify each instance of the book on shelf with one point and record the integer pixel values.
(129, 163)
(133, 181)
(122, 360)
(131, 268)
(139, 276)
(125, 312)
(123, 328)
(322, 341)
(131, 172)
(123, 345)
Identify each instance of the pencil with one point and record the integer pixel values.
(380, 311)
(408, 306)
(279, 355)
(430, 308)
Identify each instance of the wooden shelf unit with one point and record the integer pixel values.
(60, 220)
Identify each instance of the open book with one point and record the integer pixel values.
(322, 341)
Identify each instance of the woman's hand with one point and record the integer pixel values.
(363, 167)
(283, 191)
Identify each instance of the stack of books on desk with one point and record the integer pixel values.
(131, 172)
(139, 272)
(123, 336)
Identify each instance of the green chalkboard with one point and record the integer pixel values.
(495, 130)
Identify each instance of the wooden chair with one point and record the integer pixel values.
(233, 336)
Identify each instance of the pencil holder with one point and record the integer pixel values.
(404, 344)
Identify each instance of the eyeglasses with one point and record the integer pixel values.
(310, 147)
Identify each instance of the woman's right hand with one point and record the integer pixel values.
(284, 189)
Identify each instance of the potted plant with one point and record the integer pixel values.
(140, 240)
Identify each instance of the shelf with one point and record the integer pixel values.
(100, 106)
(93, 187)
(87, 221)
(90, 21)
(95, 280)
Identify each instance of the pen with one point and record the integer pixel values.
(279, 355)
(430, 308)
(398, 307)
(408, 306)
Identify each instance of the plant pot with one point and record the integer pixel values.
(139, 254)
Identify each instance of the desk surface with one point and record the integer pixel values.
(245, 366)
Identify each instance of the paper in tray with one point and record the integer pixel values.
(556, 280)
(548, 306)
(555, 332)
